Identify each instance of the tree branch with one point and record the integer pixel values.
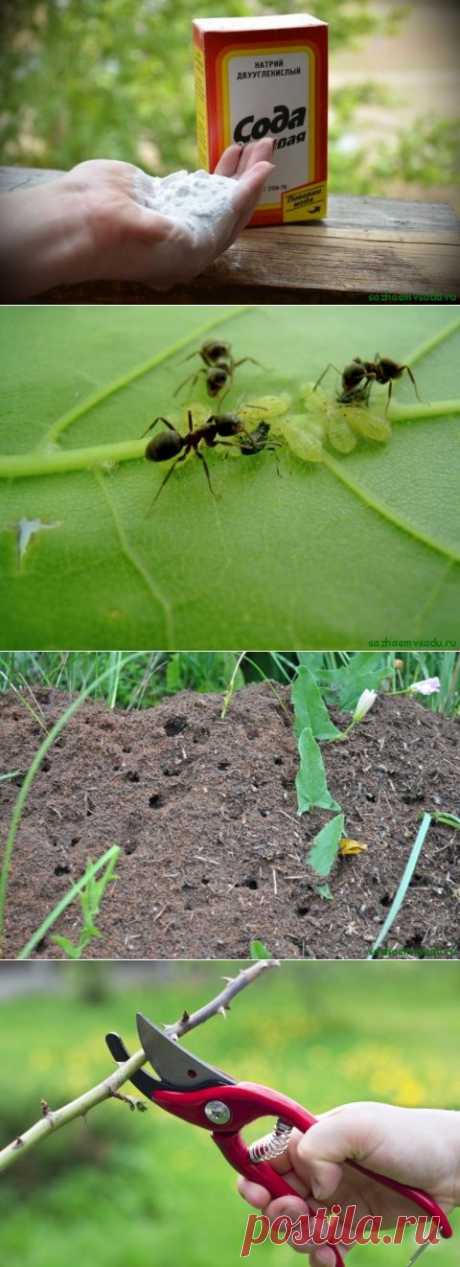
(54, 1119)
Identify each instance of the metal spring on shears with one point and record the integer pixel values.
(272, 1145)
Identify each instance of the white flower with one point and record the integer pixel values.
(428, 686)
(365, 702)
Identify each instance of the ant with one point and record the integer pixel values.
(380, 370)
(212, 352)
(171, 444)
(218, 367)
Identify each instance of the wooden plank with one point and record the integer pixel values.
(366, 247)
(338, 268)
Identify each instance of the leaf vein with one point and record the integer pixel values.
(130, 554)
(380, 508)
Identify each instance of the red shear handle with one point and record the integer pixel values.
(274, 1102)
(236, 1152)
(416, 1195)
(250, 1101)
(246, 1102)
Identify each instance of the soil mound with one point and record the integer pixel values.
(213, 851)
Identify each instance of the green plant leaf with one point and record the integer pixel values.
(325, 847)
(70, 949)
(258, 950)
(309, 708)
(364, 671)
(449, 820)
(311, 782)
(324, 891)
(359, 547)
(403, 883)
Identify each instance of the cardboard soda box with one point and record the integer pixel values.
(267, 76)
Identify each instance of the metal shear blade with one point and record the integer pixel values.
(176, 1066)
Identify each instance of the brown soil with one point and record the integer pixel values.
(214, 853)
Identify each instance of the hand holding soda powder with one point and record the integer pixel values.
(419, 1147)
(109, 220)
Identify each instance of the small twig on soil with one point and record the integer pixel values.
(53, 1119)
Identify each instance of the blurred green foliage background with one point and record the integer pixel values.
(113, 79)
(124, 1189)
(143, 681)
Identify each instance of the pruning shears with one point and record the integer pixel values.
(197, 1093)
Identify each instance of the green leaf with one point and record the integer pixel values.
(110, 854)
(258, 950)
(403, 883)
(365, 670)
(325, 847)
(72, 951)
(311, 782)
(448, 820)
(355, 548)
(309, 709)
(324, 891)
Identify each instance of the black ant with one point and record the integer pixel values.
(218, 368)
(171, 444)
(211, 352)
(380, 370)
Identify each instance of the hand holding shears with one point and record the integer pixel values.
(203, 1096)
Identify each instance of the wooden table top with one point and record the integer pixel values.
(368, 250)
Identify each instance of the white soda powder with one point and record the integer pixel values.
(195, 199)
(201, 208)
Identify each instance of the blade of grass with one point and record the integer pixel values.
(403, 884)
(11, 775)
(29, 778)
(231, 686)
(115, 666)
(91, 898)
(449, 820)
(112, 853)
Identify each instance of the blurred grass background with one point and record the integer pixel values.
(143, 1190)
(114, 79)
(152, 675)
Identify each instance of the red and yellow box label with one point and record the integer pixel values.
(267, 77)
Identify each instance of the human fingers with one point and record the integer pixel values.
(246, 197)
(255, 1194)
(255, 152)
(229, 161)
(236, 159)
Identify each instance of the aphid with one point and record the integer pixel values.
(340, 424)
(218, 368)
(272, 407)
(368, 424)
(358, 376)
(339, 433)
(171, 444)
(303, 436)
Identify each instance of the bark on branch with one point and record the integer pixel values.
(54, 1119)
